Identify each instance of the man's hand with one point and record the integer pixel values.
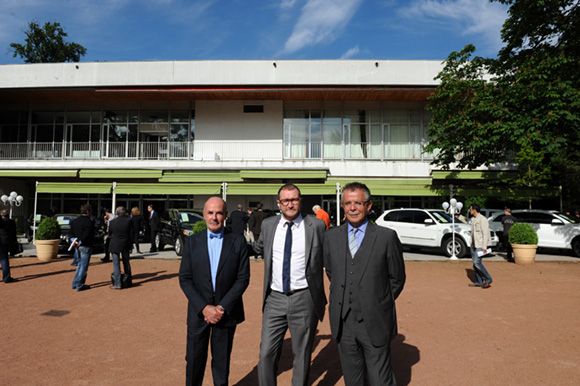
(212, 314)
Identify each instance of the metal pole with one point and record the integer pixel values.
(34, 214)
(114, 204)
(338, 204)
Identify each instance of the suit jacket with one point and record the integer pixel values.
(238, 221)
(233, 277)
(120, 230)
(83, 228)
(154, 221)
(381, 281)
(314, 231)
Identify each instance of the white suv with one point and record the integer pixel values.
(429, 228)
(554, 229)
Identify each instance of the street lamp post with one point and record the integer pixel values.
(14, 199)
(452, 207)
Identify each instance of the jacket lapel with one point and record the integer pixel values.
(227, 246)
(309, 236)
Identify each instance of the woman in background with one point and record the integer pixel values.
(137, 220)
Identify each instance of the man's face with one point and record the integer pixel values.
(214, 213)
(289, 203)
(149, 208)
(355, 206)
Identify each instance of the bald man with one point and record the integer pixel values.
(214, 274)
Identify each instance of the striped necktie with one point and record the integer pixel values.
(352, 242)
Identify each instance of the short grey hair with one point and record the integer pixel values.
(315, 208)
(121, 211)
(356, 186)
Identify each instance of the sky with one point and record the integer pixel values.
(144, 30)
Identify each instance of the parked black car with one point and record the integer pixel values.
(64, 220)
(175, 226)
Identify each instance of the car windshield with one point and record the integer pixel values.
(189, 218)
(441, 216)
(572, 219)
(64, 220)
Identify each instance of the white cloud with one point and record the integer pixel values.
(467, 17)
(321, 21)
(351, 52)
(286, 4)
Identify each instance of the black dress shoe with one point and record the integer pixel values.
(10, 279)
(153, 250)
(105, 259)
(83, 287)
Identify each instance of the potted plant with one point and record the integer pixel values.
(524, 241)
(47, 239)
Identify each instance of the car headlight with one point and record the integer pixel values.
(187, 232)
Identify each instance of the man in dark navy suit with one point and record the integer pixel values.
(214, 274)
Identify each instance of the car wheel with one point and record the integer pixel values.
(179, 246)
(460, 247)
(158, 244)
(576, 246)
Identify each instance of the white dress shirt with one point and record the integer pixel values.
(298, 259)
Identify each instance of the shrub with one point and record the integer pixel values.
(199, 227)
(49, 229)
(523, 233)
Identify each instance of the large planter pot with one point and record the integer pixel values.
(524, 254)
(46, 250)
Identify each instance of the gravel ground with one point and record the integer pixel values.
(521, 331)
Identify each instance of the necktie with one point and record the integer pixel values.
(215, 235)
(287, 256)
(352, 242)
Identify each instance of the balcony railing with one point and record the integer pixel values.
(211, 151)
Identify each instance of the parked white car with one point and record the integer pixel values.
(554, 229)
(429, 228)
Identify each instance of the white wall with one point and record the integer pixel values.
(226, 121)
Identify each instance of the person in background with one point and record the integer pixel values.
(137, 221)
(121, 229)
(506, 222)
(82, 229)
(321, 215)
(108, 217)
(238, 220)
(255, 222)
(480, 239)
(153, 226)
(7, 238)
(214, 273)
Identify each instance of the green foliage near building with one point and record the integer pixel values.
(521, 107)
(49, 229)
(47, 45)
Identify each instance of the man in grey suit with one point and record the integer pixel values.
(293, 296)
(364, 263)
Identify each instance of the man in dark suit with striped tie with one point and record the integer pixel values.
(364, 263)
(293, 295)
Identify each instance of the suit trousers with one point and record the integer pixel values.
(282, 312)
(198, 338)
(125, 257)
(360, 359)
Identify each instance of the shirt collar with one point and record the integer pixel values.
(361, 228)
(297, 221)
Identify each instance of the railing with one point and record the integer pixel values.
(198, 150)
(211, 151)
(358, 150)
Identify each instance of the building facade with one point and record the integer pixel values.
(173, 133)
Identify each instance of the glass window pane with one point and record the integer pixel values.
(95, 133)
(154, 116)
(118, 133)
(396, 116)
(78, 117)
(116, 116)
(399, 133)
(178, 133)
(179, 116)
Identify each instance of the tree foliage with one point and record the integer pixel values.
(47, 45)
(522, 106)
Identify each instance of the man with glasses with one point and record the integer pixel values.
(364, 263)
(293, 295)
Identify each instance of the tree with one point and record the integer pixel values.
(47, 45)
(522, 106)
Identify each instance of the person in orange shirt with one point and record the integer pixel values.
(321, 214)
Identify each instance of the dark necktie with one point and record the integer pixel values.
(287, 256)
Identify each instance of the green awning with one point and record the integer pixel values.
(284, 174)
(240, 189)
(74, 187)
(473, 175)
(201, 177)
(119, 173)
(165, 188)
(38, 173)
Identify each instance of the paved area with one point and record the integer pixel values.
(521, 331)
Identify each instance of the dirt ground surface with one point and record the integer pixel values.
(521, 331)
